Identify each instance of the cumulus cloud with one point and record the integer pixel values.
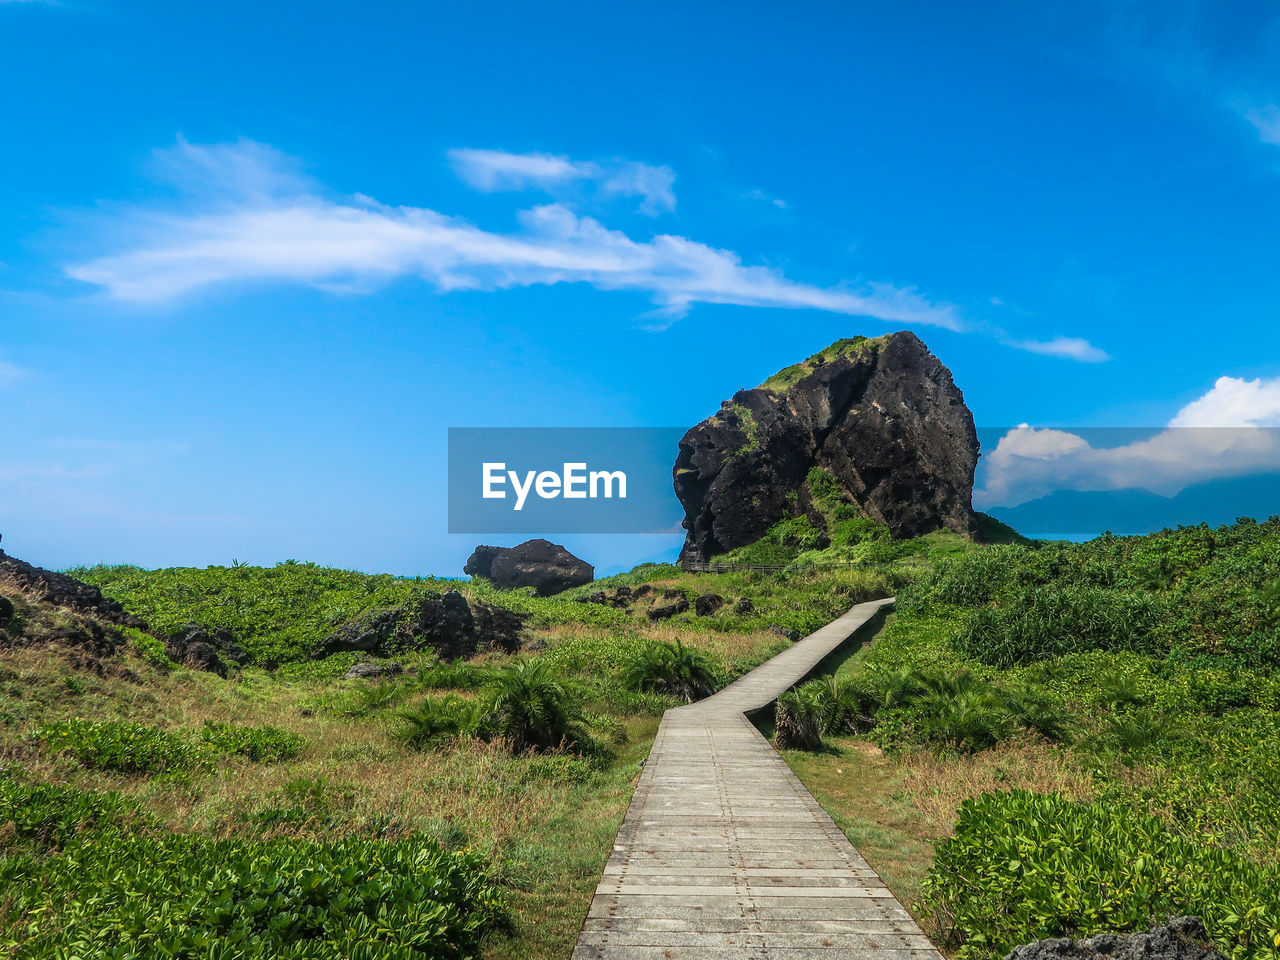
(1231, 431)
(494, 170)
(1072, 348)
(256, 219)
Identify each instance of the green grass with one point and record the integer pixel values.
(785, 379)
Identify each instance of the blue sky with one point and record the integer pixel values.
(255, 259)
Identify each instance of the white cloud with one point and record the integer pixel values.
(1228, 432)
(266, 224)
(493, 170)
(1073, 348)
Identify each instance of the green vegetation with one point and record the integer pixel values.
(1103, 712)
(229, 898)
(1142, 672)
(1025, 866)
(672, 669)
(788, 377)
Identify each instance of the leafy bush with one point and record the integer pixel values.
(121, 746)
(1038, 624)
(51, 815)
(433, 718)
(1025, 866)
(671, 668)
(123, 897)
(261, 744)
(530, 706)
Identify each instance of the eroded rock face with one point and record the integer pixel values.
(446, 623)
(1181, 939)
(547, 567)
(882, 416)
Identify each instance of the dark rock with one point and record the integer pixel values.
(598, 597)
(787, 633)
(199, 648)
(669, 610)
(707, 604)
(882, 416)
(59, 590)
(6, 611)
(671, 592)
(364, 669)
(547, 567)
(642, 591)
(744, 606)
(445, 623)
(1181, 939)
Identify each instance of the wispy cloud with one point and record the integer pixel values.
(1266, 120)
(494, 170)
(760, 195)
(253, 218)
(10, 373)
(1230, 431)
(1072, 348)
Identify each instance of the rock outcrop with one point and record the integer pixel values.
(445, 623)
(547, 567)
(1181, 939)
(41, 607)
(883, 417)
(199, 648)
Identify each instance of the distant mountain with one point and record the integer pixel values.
(1133, 511)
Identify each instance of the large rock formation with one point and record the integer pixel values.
(541, 564)
(882, 416)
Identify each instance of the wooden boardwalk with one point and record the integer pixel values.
(725, 854)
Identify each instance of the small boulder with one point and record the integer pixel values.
(787, 633)
(642, 591)
(365, 669)
(598, 597)
(670, 609)
(707, 604)
(6, 612)
(744, 606)
(547, 567)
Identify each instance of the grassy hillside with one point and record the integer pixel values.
(486, 792)
(1128, 687)
(1046, 739)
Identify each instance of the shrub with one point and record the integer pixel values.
(50, 815)
(434, 718)
(124, 897)
(1025, 866)
(1038, 624)
(260, 744)
(531, 708)
(121, 746)
(671, 668)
